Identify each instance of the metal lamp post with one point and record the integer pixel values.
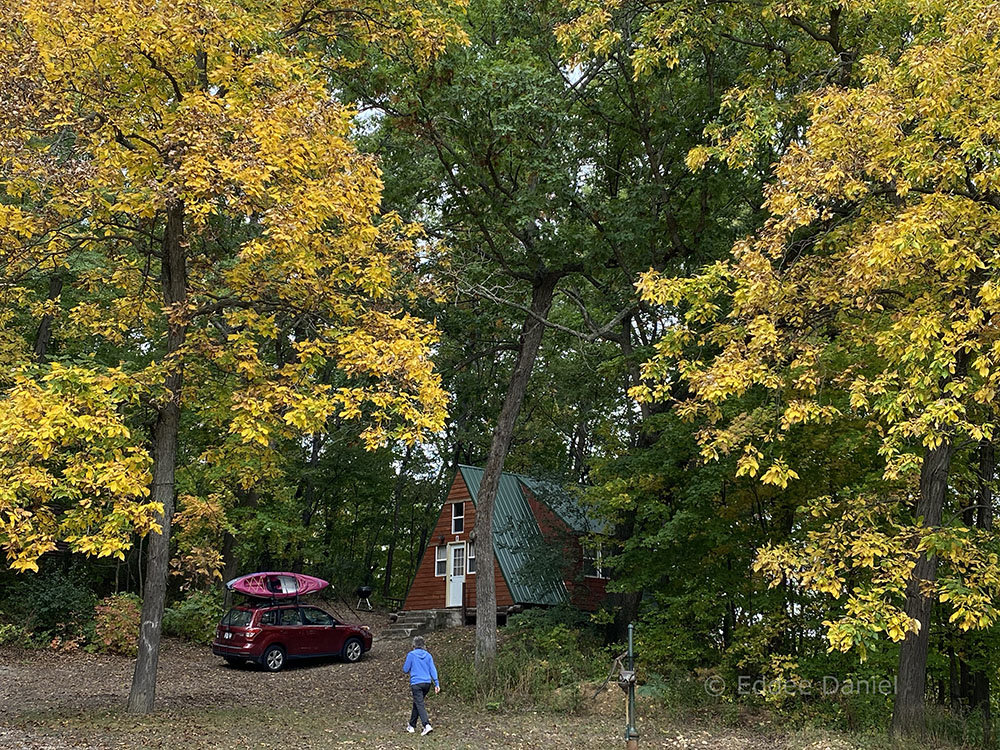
(626, 680)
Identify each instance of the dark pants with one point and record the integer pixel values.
(419, 691)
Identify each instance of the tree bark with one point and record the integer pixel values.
(980, 698)
(230, 560)
(954, 691)
(542, 293)
(987, 468)
(911, 676)
(228, 568)
(397, 494)
(44, 335)
(307, 484)
(964, 680)
(173, 276)
(626, 604)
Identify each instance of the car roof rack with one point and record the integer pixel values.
(274, 601)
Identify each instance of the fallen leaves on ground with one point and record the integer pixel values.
(59, 701)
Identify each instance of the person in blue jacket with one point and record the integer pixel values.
(419, 665)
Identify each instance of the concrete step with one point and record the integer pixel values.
(408, 620)
(418, 622)
(404, 631)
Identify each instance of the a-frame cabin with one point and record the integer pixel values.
(537, 531)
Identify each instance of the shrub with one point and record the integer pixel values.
(194, 618)
(543, 658)
(116, 624)
(67, 644)
(51, 604)
(542, 618)
(12, 635)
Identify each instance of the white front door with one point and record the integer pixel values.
(456, 574)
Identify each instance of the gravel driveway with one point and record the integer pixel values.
(57, 701)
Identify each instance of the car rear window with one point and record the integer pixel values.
(238, 618)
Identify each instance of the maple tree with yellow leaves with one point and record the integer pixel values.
(185, 172)
(869, 294)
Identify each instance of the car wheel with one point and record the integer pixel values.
(274, 659)
(352, 650)
(235, 661)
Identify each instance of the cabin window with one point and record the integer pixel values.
(472, 558)
(458, 560)
(593, 562)
(440, 560)
(457, 518)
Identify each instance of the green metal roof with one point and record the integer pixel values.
(563, 504)
(517, 541)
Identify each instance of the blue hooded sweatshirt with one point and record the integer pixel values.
(419, 665)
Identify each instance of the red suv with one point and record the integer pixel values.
(274, 633)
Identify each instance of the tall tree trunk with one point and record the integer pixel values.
(397, 494)
(228, 571)
(307, 484)
(44, 335)
(987, 469)
(954, 690)
(230, 561)
(486, 593)
(174, 279)
(984, 520)
(911, 676)
(626, 604)
(578, 447)
(965, 678)
(421, 546)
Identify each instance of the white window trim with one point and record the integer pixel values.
(452, 550)
(454, 507)
(440, 558)
(598, 558)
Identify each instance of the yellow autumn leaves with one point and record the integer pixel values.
(223, 115)
(904, 276)
(868, 295)
(70, 467)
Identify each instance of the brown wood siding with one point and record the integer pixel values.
(549, 523)
(584, 592)
(428, 590)
(587, 593)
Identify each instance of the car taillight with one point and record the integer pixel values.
(252, 633)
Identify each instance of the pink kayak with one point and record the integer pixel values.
(276, 585)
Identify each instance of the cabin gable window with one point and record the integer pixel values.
(457, 518)
(593, 562)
